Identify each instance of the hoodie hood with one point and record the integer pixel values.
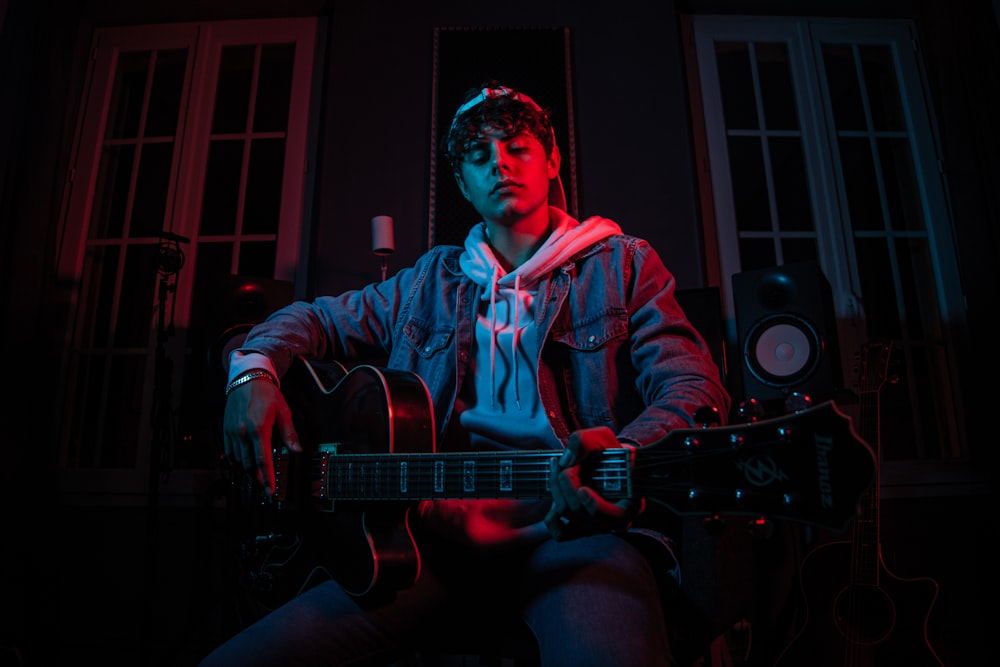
(569, 236)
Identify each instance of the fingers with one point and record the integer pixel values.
(254, 413)
(577, 509)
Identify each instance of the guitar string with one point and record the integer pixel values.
(446, 472)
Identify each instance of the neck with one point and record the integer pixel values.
(515, 243)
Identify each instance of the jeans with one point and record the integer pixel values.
(593, 601)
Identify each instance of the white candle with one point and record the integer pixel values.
(383, 241)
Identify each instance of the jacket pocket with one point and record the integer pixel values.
(593, 333)
(427, 340)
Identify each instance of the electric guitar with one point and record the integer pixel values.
(370, 455)
(857, 612)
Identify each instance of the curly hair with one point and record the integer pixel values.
(508, 113)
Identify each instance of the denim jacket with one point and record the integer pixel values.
(617, 349)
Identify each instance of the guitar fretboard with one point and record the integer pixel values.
(425, 476)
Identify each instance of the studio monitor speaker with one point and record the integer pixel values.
(786, 333)
(241, 302)
(225, 308)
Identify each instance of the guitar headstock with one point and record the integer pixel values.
(808, 467)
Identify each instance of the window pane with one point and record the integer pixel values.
(757, 254)
(274, 88)
(791, 188)
(777, 93)
(919, 290)
(97, 293)
(257, 259)
(736, 82)
(843, 87)
(150, 202)
(213, 258)
(138, 295)
(222, 187)
(798, 250)
(111, 192)
(232, 97)
(128, 93)
(882, 88)
(750, 194)
(263, 205)
(875, 271)
(861, 184)
(901, 187)
(165, 96)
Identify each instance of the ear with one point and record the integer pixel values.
(554, 162)
(461, 186)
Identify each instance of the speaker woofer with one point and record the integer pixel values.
(783, 350)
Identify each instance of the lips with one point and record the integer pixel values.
(504, 186)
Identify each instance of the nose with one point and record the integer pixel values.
(500, 157)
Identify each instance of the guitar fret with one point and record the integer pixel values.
(506, 479)
(438, 476)
(469, 476)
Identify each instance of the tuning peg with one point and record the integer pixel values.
(707, 415)
(750, 410)
(797, 402)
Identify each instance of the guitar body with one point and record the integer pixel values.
(858, 624)
(368, 548)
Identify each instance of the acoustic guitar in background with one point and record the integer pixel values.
(857, 612)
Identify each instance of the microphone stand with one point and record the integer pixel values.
(171, 259)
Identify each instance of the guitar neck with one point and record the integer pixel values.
(371, 437)
(455, 475)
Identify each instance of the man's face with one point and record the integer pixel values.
(506, 178)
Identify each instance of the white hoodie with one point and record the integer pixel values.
(506, 411)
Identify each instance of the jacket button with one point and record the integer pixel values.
(592, 339)
(427, 349)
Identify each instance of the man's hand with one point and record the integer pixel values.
(256, 411)
(576, 508)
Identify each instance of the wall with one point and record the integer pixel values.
(635, 166)
(631, 115)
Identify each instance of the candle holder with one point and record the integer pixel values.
(383, 239)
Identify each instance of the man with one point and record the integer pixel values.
(542, 333)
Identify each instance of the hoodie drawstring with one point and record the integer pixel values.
(493, 336)
(514, 337)
(513, 343)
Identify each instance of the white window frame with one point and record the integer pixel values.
(804, 37)
(204, 43)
